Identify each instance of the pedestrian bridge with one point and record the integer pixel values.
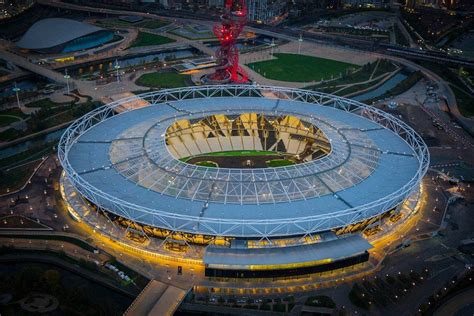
(22, 62)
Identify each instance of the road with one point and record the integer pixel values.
(456, 303)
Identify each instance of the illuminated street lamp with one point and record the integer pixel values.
(67, 77)
(117, 67)
(300, 40)
(17, 90)
(272, 45)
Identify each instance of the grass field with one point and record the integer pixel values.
(149, 39)
(237, 153)
(163, 80)
(210, 164)
(300, 68)
(279, 163)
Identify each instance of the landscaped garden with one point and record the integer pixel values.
(10, 116)
(49, 115)
(365, 77)
(301, 68)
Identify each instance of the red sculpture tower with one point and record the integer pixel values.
(233, 21)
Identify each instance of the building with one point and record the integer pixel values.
(215, 3)
(365, 3)
(249, 181)
(57, 35)
(265, 10)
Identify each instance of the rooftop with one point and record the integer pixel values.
(52, 32)
(126, 160)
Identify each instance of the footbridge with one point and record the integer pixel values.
(24, 63)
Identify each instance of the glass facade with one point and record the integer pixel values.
(88, 41)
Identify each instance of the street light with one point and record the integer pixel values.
(17, 90)
(272, 45)
(67, 77)
(300, 40)
(117, 67)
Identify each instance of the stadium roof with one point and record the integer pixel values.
(124, 165)
(238, 258)
(52, 32)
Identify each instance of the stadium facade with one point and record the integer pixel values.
(251, 181)
(58, 35)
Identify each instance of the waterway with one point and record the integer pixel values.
(24, 85)
(23, 146)
(386, 86)
(137, 60)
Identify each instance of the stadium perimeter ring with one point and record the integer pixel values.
(118, 159)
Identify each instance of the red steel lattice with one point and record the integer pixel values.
(233, 21)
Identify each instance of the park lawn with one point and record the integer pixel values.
(149, 39)
(279, 163)
(6, 120)
(163, 80)
(300, 68)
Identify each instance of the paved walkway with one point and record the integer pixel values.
(157, 298)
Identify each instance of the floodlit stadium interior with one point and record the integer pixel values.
(246, 140)
(249, 187)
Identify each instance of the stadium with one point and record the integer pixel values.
(248, 180)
